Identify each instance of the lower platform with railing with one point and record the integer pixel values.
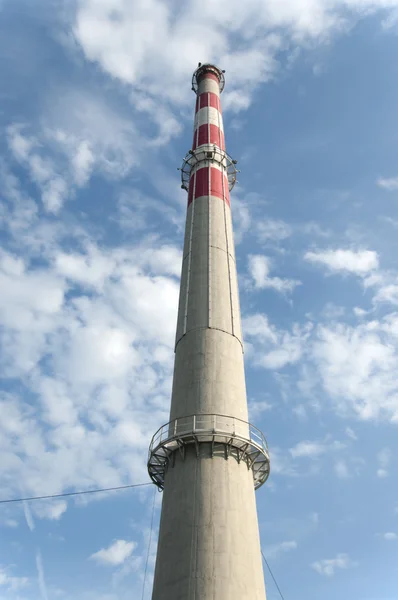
(236, 438)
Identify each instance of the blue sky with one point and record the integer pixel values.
(96, 113)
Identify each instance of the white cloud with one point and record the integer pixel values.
(242, 219)
(90, 269)
(329, 566)
(148, 39)
(42, 171)
(272, 230)
(315, 449)
(165, 260)
(382, 473)
(314, 517)
(259, 268)
(383, 457)
(153, 46)
(276, 550)
(168, 125)
(257, 407)
(28, 516)
(357, 367)
(359, 262)
(136, 211)
(332, 312)
(313, 229)
(354, 364)
(82, 163)
(390, 536)
(54, 193)
(274, 349)
(300, 411)
(292, 545)
(389, 184)
(91, 135)
(40, 576)
(391, 20)
(80, 134)
(282, 463)
(341, 469)
(258, 326)
(308, 449)
(52, 510)
(115, 554)
(86, 335)
(19, 145)
(387, 294)
(9, 523)
(10, 583)
(351, 433)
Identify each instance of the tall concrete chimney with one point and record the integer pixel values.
(208, 459)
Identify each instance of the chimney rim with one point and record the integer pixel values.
(207, 68)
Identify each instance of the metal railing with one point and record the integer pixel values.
(209, 424)
(247, 441)
(211, 154)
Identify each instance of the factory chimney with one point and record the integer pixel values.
(208, 459)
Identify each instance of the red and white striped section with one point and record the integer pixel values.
(208, 127)
(209, 179)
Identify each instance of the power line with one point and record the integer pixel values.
(272, 575)
(149, 544)
(51, 496)
(114, 489)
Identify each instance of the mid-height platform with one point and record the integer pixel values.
(236, 438)
(208, 155)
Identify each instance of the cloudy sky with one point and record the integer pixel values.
(96, 113)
